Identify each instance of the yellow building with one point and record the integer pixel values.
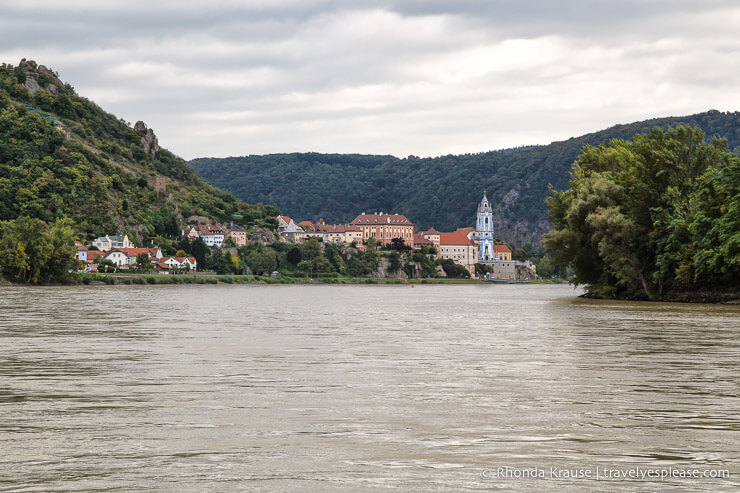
(385, 227)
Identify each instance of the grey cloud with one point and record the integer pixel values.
(412, 76)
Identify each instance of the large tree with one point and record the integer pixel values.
(658, 213)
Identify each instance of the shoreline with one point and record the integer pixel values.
(154, 280)
(710, 296)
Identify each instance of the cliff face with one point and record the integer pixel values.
(38, 76)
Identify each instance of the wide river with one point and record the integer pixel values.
(364, 388)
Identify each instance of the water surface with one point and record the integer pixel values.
(360, 388)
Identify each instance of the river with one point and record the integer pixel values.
(364, 388)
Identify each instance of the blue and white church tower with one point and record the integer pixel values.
(484, 231)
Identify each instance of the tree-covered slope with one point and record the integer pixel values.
(442, 192)
(62, 155)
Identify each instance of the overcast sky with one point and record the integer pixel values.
(422, 77)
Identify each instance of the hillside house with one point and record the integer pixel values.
(105, 243)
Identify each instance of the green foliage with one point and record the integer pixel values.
(142, 262)
(34, 252)
(656, 214)
(453, 270)
(94, 170)
(442, 192)
(363, 263)
(263, 261)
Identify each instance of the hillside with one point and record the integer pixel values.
(62, 155)
(442, 192)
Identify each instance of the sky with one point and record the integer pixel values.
(414, 77)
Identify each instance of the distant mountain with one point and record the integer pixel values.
(442, 192)
(62, 155)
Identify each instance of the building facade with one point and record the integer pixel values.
(385, 227)
(459, 247)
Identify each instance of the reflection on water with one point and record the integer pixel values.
(354, 388)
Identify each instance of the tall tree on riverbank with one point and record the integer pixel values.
(34, 252)
(658, 214)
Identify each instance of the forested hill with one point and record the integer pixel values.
(442, 192)
(62, 155)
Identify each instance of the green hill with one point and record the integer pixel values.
(62, 155)
(442, 192)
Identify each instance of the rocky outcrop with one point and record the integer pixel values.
(39, 77)
(262, 236)
(383, 271)
(526, 272)
(148, 139)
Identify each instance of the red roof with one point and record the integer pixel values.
(133, 252)
(93, 254)
(464, 230)
(392, 219)
(305, 223)
(80, 246)
(208, 229)
(430, 231)
(286, 219)
(419, 239)
(342, 228)
(456, 238)
(501, 249)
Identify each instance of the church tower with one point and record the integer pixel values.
(484, 231)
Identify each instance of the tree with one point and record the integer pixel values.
(33, 252)
(106, 265)
(199, 250)
(143, 264)
(262, 261)
(642, 217)
(310, 249)
(294, 255)
(400, 245)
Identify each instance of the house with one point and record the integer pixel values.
(319, 231)
(132, 253)
(210, 234)
(116, 256)
(385, 227)
(106, 242)
(81, 253)
(191, 233)
(239, 236)
(283, 221)
(501, 252)
(289, 231)
(421, 240)
(432, 235)
(93, 256)
(166, 265)
(343, 233)
(459, 247)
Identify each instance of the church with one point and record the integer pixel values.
(497, 256)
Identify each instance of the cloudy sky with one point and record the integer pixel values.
(422, 77)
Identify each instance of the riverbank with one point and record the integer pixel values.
(85, 278)
(727, 296)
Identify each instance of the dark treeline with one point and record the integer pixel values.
(442, 192)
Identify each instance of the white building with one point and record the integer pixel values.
(484, 232)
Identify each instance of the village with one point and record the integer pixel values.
(473, 248)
